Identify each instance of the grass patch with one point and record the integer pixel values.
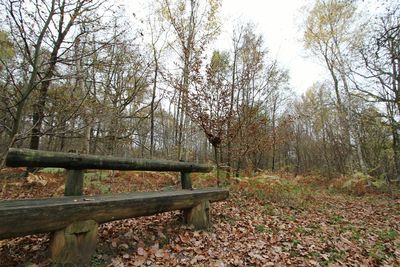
(95, 179)
(301, 230)
(334, 255)
(355, 233)
(291, 217)
(336, 219)
(260, 228)
(378, 253)
(104, 189)
(96, 261)
(163, 241)
(96, 175)
(388, 235)
(316, 255)
(296, 242)
(229, 219)
(268, 209)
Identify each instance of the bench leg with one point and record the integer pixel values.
(199, 215)
(75, 244)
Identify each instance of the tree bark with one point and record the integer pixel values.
(217, 163)
(152, 108)
(39, 106)
(31, 84)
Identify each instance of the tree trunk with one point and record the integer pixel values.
(152, 108)
(396, 151)
(216, 163)
(37, 116)
(273, 134)
(30, 85)
(229, 130)
(39, 107)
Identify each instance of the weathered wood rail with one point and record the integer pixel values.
(51, 214)
(37, 158)
(73, 219)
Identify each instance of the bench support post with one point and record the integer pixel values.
(186, 183)
(199, 215)
(186, 180)
(74, 183)
(75, 244)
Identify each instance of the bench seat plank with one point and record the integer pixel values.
(32, 216)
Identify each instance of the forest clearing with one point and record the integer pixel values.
(199, 133)
(268, 220)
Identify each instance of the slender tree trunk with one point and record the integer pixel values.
(216, 163)
(96, 139)
(205, 148)
(152, 108)
(298, 152)
(353, 131)
(229, 130)
(273, 135)
(80, 84)
(63, 129)
(396, 149)
(238, 166)
(395, 124)
(88, 136)
(178, 110)
(30, 85)
(37, 117)
(184, 102)
(17, 121)
(39, 107)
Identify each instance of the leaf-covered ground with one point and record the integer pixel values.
(267, 221)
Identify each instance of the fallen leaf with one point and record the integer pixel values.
(139, 262)
(140, 251)
(159, 253)
(123, 246)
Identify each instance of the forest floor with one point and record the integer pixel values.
(268, 220)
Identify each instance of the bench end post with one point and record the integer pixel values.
(199, 215)
(75, 244)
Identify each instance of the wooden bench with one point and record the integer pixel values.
(73, 219)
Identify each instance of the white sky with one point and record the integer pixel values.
(279, 21)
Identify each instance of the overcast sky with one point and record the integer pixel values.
(279, 21)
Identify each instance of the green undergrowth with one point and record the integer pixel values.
(209, 179)
(96, 175)
(96, 180)
(360, 184)
(273, 189)
(52, 170)
(300, 192)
